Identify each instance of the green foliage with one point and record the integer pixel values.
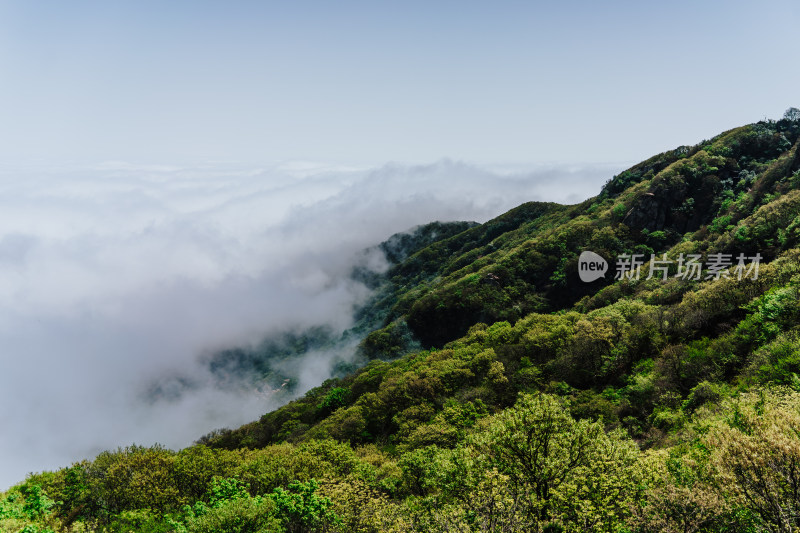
(299, 509)
(223, 490)
(230, 509)
(701, 394)
(30, 528)
(720, 224)
(336, 397)
(27, 508)
(771, 313)
(533, 467)
(762, 462)
(135, 478)
(36, 501)
(778, 362)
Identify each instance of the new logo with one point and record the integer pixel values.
(591, 267)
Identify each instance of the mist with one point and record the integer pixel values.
(116, 277)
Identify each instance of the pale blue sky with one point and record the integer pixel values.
(497, 82)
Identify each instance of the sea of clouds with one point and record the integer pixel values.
(114, 276)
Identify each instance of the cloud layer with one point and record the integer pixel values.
(114, 276)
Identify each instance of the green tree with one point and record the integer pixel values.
(135, 477)
(756, 452)
(300, 510)
(571, 472)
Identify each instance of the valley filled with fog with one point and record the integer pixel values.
(117, 282)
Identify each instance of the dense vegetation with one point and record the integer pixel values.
(504, 394)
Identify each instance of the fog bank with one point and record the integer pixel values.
(115, 276)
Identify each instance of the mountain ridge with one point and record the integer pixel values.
(486, 342)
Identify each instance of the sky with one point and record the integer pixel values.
(358, 82)
(182, 177)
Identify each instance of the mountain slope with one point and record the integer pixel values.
(505, 394)
(746, 203)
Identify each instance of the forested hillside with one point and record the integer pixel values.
(502, 393)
